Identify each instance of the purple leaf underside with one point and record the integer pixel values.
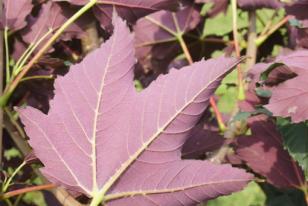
(105, 140)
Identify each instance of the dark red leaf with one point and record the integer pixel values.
(257, 4)
(201, 142)
(156, 41)
(129, 10)
(50, 18)
(264, 153)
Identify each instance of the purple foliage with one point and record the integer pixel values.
(129, 10)
(15, 13)
(263, 152)
(105, 136)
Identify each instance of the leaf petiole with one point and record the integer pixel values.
(7, 53)
(9, 181)
(22, 60)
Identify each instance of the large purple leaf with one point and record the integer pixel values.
(16, 13)
(264, 153)
(130, 10)
(105, 140)
(289, 97)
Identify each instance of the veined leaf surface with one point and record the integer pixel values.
(105, 140)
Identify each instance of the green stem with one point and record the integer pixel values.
(17, 201)
(37, 77)
(8, 202)
(161, 25)
(8, 182)
(24, 58)
(251, 51)
(7, 55)
(14, 122)
(241, 90)
(97, 200)
(261, 39)
(9, 90)
(185, 49)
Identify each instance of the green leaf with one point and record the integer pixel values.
(227, 93)
(288, 197)
(253, 196)
(222, 23)
(295, 137)
(266, 15)
(36, 198)
(263, 93)
(11, 153)
(205, 8)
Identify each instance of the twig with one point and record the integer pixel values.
(261, 39)
(241, 91)
(268, 25)
(28, 189)
(251, 52)
(7, 183)
(16, 134)
(1, 85)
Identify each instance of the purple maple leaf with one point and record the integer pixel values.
(120, 147)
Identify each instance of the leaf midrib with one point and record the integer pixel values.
(145, 145)
(97, 108)
(171, 190)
